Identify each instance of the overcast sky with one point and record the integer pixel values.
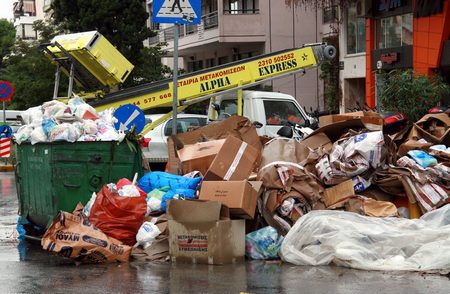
(6, 9)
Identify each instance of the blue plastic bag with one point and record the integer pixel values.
(180, 194)
(263, 244)
(422, 158)
(156, 180)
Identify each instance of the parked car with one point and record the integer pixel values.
(13, 119)
(157, 148)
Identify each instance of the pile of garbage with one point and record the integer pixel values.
(346, 194)
(75, 121)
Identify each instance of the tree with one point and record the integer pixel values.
(31, 73)
(123, 23)
(410, 93)
(7, 38)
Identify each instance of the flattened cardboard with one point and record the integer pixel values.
(199, 156)
(336, 130)
(240, 196)
(234, 162)
(338, 193)
(197, 236)
(372, 120)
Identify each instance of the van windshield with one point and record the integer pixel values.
(280, 112)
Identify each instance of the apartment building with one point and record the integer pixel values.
(236, 29)
(26, 12)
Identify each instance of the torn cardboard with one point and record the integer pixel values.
(432, 127)
(240, 196)
(339, 193)
(234, 162)
(197, 234)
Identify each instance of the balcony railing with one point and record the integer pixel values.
(209, 21)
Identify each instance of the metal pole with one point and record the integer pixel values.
(4, 112)
(69, 91)
(56, 89)
(175, 80)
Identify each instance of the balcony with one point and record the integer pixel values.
(220, 26)
(209, 21)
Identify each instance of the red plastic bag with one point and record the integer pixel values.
(118, 217)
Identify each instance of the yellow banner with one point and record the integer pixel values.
(226, 78)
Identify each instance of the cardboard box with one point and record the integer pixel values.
(234, 162)
(237, 126)
(372, 120)
(339, 192)
(432, 127)
(199, 156)
(201, 232)
(240, 196)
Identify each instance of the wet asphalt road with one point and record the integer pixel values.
(25, 268)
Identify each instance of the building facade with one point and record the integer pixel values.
(237, 29)
(398, 34)
(26, 12)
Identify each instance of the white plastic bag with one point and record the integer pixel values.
(23, 134)
(32, 114)
(129, 191)
(87, 208)
(369, 243)
(147, 233)
(54, 108)
(38, 136)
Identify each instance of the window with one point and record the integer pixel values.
(211, 62)
(280, 112)
(241, 6)
(356, 31)
(228, 108)
(394, 31)
(185, 124)
(195, 65)
(223, 60)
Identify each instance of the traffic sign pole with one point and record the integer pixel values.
(175, 79)
(4, 112)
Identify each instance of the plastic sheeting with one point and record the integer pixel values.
(351, 240)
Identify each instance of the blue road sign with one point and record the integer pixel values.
(129, 115)
(5, 131)
(177, 11)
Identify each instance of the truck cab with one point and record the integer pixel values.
(272, 110)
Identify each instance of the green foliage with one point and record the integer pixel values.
(7, 38)
(32, 75)
(410, 93)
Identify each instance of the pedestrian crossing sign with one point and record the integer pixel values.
(177, 11)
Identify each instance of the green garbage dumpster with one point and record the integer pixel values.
(56, 176)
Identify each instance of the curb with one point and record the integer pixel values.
(6, 168)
